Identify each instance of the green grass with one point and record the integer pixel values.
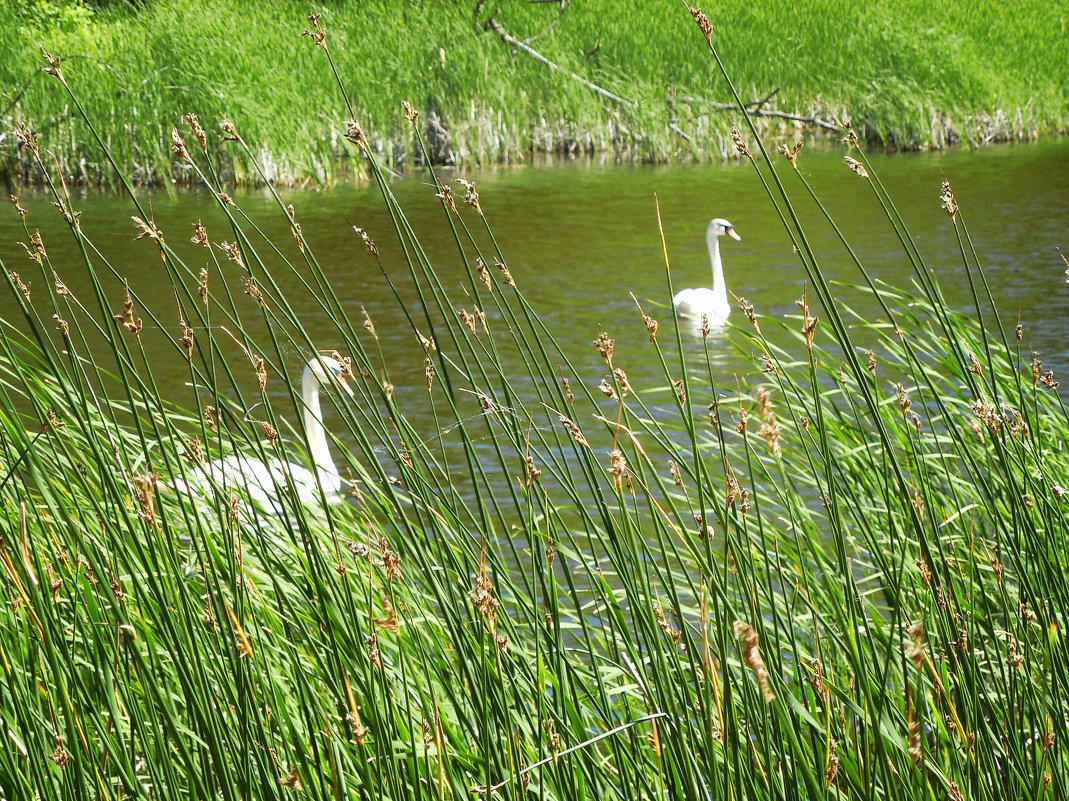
(844, 580)
(911, 72)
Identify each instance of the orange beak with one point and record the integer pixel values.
(731, 232)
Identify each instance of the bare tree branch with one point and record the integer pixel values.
(564, 5)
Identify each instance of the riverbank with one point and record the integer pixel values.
(913, 75)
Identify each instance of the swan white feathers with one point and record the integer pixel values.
(712, 303)
(265, 483)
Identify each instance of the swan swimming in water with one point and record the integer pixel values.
(266, 483)
(712, 303)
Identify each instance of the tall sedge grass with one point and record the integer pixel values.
(909, 73)
(843, 582)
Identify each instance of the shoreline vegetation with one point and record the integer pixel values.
(519, 82)
(842, 578)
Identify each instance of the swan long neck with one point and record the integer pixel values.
(318, 447)
(720, 289)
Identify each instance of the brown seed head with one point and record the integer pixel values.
(471, 195)
(231, 132)
(856, 166)
(254, 292)
(574, 430)
(851, 136)
(317, 34)
(369, 243)
(445, 194)
(791, 153)
(355, 134)
(740, 145)
(148, 229)
(23, 288)
(202, 287)
(625, 385)
(751, 654)
(946, 197)
(410, 113)
(178, 147)
(233, 252)
(369, 326)
(29, 139)
(703, 23)
(200, 235)
(18, 209)
(126, 319)
(53, 67)
(193, 122)
(506, 276)
(604, 345)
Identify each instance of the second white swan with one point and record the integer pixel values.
(713, 303)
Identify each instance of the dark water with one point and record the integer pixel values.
(578, 239)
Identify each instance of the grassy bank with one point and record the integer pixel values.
(844, 579)
(913, 73)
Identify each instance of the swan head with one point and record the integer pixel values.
(720, 226)
(328, 371)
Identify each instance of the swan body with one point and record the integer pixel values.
(266, 483)
(712, 303)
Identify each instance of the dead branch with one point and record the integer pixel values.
(493, 25)
(564, 5)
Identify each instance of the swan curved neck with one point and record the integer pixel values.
(720, 290)
(318, 447)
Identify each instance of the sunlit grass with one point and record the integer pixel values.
(910, 73)
(844, 580)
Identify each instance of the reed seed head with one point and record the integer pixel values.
(369, 243)
(200, 235)
(471, 195)
(625, 385)
(856, 166)
(949, 203)
(178, 147)
(483, 272)
(233, 253)
(748, 309)
(410, 113)
(254, 292)
(505, 274)
(604, 345)
(317, 34)
(36, 249)
(445, 194)
(791, 153)
(574, 430)
(851, 136)
(740, 144)
(29, 139)
(193, 122)
(704, 25)
(355, 134)
(126, 319)
(53, 67)
(751, 655)
(230, 132)
(18, 209)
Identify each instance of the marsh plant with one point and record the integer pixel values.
(845, 579)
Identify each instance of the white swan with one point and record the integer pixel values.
(266, 483)
(712, 303)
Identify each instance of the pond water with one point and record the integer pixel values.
(578, 239)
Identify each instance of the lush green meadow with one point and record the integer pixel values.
(913, 73)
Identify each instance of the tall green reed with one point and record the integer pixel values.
(843, 580)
